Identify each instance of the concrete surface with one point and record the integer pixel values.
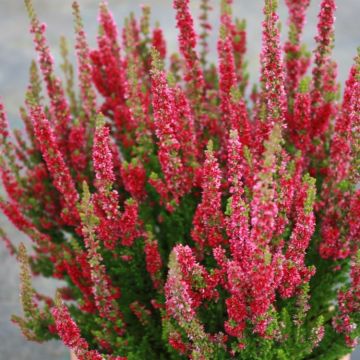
(16, 52)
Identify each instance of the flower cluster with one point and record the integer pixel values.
(188, 217)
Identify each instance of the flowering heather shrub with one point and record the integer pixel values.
(186, 218)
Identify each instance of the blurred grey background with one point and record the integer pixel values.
(16, 52)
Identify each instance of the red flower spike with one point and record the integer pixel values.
(272, 100)
(339, 203)
(295, 272)
(187, 42)
(180, 303)
(60, 110)
(56, 166)
(8, 152)
(69, 332)
(206, 28)
(236, 33)
(77, 145)
(4, 125)
(102, 156)
(88, 95)
(272, 75)
(208, 220)
(324, 39)
(324, 75)
(130, 224)
(264, 208)
(166, 126)
(13, 189)
(158, 42)
(153, 259)
(239, 40)
(296, 62)
(349, 305)
(299, 123)
(237, 222)
(186, 135)
(70, 335)
(133, 176)
(227, 81)
(79, 271)
(103, 291)
(106, 199)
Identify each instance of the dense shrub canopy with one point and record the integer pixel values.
(188, 216)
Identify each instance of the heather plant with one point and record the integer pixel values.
(187, 216)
